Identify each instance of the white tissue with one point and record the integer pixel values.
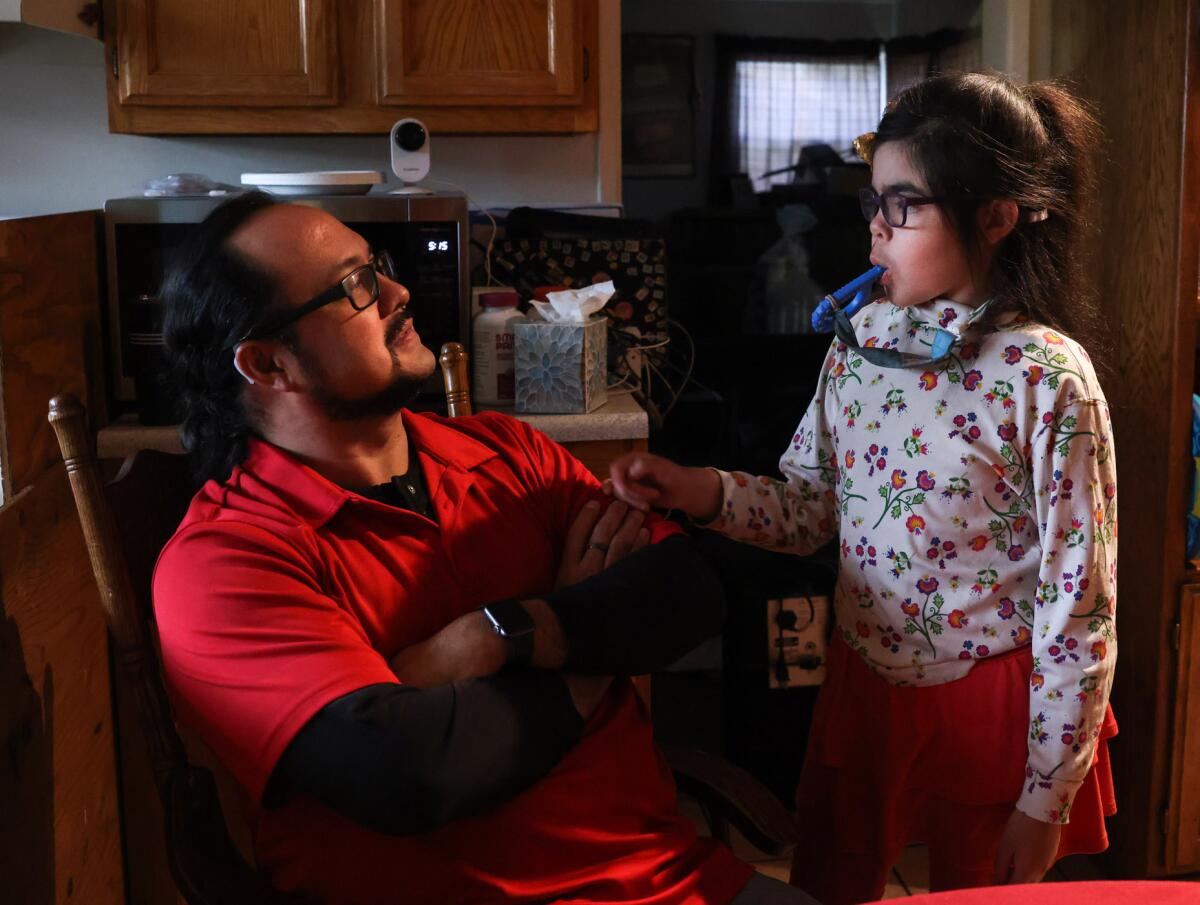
(574, 306)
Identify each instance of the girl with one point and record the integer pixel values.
(961, 447)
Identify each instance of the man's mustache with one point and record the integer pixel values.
(396, 326)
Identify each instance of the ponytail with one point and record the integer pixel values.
(1069, 165)
(213, 296)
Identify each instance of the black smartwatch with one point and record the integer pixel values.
(512, 622)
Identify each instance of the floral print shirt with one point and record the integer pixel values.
(975, 501)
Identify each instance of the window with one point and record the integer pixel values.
(779, 95)
(782, 103)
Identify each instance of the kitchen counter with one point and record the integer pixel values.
(596, 438)
(621, 418)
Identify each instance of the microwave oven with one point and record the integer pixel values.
(426, 235)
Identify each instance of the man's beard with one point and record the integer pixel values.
(403, 389)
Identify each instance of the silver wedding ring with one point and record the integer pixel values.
(603, 548)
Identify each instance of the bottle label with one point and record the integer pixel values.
(494, 363)
(506, 385)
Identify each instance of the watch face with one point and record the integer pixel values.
(514, 624)
(491, 617)
(509, 618)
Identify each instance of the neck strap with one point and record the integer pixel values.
(941, 349)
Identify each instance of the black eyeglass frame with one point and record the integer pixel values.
(381, 263)
(871, 203)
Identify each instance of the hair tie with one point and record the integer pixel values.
(1035, 216)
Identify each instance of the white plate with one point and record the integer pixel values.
(322, 182)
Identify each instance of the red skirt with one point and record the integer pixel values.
(877, 752)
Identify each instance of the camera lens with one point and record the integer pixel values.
(411, 136)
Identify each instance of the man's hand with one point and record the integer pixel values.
(467, 648)
(643, 480)
(595, 541)
(1027, 850)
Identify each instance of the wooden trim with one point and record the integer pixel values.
(606, 73)
(344, 120)
(1136, 65)
(1181, 850)
(1183, 824)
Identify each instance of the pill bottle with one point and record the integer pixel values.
(492, 364)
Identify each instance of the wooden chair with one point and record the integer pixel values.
(125, 524)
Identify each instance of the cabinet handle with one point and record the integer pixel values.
(587, 64)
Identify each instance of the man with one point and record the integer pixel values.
(319, 607)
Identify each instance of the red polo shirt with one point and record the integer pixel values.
(282, 592)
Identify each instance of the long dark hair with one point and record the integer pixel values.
(213, 296)
(977, 136)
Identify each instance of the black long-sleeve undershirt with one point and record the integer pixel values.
(641, 614)
(405, 761)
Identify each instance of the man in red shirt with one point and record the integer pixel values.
(399, 631)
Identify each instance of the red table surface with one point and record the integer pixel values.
(1091, 892)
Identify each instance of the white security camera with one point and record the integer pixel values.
(410, 155)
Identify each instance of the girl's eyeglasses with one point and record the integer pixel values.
(360, 286)
(893, 205)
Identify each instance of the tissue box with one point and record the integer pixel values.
(561, 368)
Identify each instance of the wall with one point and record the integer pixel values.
(652, 198)
(57, 154)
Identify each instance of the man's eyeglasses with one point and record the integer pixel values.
(360, 286)
(894, 205)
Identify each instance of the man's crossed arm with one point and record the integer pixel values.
(460, 735)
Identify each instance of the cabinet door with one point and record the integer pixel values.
(459, 52)
(1183, 829)
(230, 52)
(49, 337)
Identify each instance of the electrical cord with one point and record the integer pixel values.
(657, 392)
(785, 620)
(487, 252)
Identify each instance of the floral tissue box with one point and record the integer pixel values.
(561, 368)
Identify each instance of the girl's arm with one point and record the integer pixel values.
(797, 515)
(801, 513)
(1073, 628)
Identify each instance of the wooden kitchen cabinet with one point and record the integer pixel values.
(351, 66)
(59, 794)
(496, 52)
(236, 52)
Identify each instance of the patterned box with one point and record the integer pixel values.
(561, 368)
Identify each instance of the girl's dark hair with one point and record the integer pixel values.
(977, 136)
(213, 296)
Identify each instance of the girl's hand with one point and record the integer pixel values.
(1027, 850)
(643, 480)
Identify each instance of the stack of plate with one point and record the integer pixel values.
(322, 182)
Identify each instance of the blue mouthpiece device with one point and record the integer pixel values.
(850, 298)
